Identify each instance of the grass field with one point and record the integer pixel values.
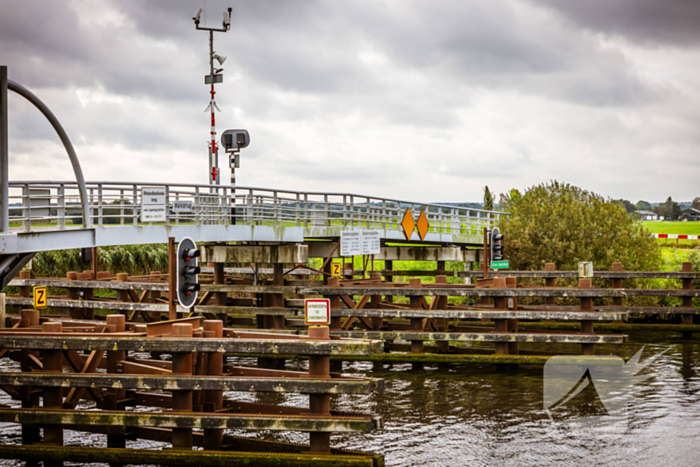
(679, 228)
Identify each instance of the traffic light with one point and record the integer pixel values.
(496, 245)
(187, 270)
(235, 140)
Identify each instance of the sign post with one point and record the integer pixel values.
(503, 264)
(317, 314)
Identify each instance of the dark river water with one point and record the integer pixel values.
(484, 416)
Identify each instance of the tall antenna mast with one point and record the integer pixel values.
(214, 76)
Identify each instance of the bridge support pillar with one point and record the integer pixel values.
(586, 325)
(416, 323)
(155, 296)
(220, 297)
(687, 301)
(274, 321)
(336, 325)
(114, 398)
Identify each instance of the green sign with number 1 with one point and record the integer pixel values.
(500, 264)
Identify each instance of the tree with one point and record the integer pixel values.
(676, 211)
(563, 224)
(629, 207)
(660, 211)
(643, 205)
(696, 203)
(505, 198)
(488, 199)
(668, 205)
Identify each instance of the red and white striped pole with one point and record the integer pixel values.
(214, 156)
(214, 178)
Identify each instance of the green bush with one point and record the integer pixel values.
(132, 259)
(563, 224)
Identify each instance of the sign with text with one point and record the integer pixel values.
(182, 206)
(370, 242)
(500, 264)
(360, 242)
(350, 242)
(153, 204)
(41, 297)
(317, 311)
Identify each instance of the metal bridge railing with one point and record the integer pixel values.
(56, 205)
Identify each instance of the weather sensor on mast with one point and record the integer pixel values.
(212, 78)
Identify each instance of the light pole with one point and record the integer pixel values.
(212, 78)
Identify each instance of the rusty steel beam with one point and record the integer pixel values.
(457, 291)
(172, 382)
(317, 423)
(90, 284)
(184, 458)
(486, 337)
(481, 314)
(165, 344)
(596, 275)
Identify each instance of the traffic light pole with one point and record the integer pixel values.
(172, 293)
(485, 266)
(4, 155)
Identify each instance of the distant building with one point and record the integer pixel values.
(690, 214)
(648, 215)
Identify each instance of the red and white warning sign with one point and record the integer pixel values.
(317, 311)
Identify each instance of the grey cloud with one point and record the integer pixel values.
(421, 99)
(649, 22)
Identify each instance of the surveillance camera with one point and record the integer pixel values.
(234, 140)
(197, 15)
(227, 19)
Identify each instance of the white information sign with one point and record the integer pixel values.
(350, 242)
(317, 311)
(153, 204)
(360, 242)
(370, 242)
(152, 195)
(183, 206)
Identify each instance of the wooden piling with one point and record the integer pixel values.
(550, 282)
(52, 361)
(114, 398)
(441, 323)
(182, 400)
(687, 302)
(586, 304)
(155, 296)
(319, 367)
(214, 400)
(416, 323)
(30, 396)
(336, 324)
(512, 324)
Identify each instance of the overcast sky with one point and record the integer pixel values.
(417, 100)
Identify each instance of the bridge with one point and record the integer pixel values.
(54, 215)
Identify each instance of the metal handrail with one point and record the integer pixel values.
(50, 203)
